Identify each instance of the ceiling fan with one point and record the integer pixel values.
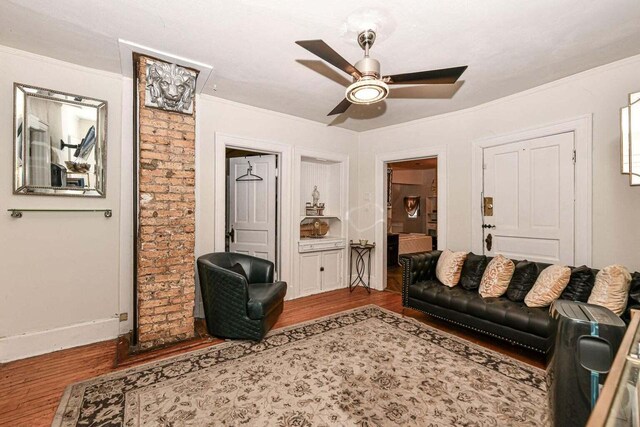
(368, 86)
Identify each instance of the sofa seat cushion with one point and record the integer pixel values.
(264, 298)
(515, 315)
(437, 293)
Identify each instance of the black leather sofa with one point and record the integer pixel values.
(235, 305)
(528, 327)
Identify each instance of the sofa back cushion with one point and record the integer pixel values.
(496, 277)
(449, 267)
(472, 271)
(580, 284)
(611, 288)
(548, 287)
(523, 279)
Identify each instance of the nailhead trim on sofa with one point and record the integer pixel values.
(476, 329)
(407, 267)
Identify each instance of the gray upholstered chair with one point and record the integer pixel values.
(240, 298)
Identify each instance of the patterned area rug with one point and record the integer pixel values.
(364, 367)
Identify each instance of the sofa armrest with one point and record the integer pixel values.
(417, 267)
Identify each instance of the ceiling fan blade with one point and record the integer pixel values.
(432, 77)
(340, 108)
(324, 51)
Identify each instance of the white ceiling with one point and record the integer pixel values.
(508, 45)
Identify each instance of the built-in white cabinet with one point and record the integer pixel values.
(331, 270)
(321, 271)
(321, 261)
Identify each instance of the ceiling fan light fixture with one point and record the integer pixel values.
(367, 91)
(369, 86)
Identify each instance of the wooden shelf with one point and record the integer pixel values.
(302, 218)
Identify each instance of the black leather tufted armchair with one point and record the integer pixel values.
(235, 306)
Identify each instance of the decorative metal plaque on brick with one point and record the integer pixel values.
(169, 87)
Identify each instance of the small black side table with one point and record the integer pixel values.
(361, 251)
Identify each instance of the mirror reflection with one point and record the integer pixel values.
(59, 143)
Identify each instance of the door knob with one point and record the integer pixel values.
(488, 226)
(231, 235)
(489, 241)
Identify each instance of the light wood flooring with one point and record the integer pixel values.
(30, 389)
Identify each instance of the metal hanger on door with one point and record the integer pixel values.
(249, 176)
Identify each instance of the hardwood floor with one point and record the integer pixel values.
(30, 389)
(394, 279)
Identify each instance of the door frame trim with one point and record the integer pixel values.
(582, 127)
(285, 156)
(379, 278)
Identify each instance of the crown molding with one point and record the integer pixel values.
(127, 49)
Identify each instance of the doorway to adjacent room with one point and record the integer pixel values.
(412, 213)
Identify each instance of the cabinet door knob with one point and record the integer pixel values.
(321, 268)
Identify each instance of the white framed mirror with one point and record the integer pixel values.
(624, 140)
(633, 142)
(60, 143)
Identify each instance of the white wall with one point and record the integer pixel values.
(44, 304)
(215, 115)
(600, 92)
(58, 271)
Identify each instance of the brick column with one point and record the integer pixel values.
(166, 223)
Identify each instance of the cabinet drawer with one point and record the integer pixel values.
(320, 245)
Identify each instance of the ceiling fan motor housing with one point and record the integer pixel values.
(369, 67)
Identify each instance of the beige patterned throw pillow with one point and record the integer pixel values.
(611, 288)
(548, 287)
(496, 277)
(449, 267)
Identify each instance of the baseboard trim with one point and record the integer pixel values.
(41, 342)
(373, 284)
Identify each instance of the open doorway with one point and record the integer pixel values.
(412, 212)
(251, 207)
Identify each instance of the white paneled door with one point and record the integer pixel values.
(252, 206)
(532, 186)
